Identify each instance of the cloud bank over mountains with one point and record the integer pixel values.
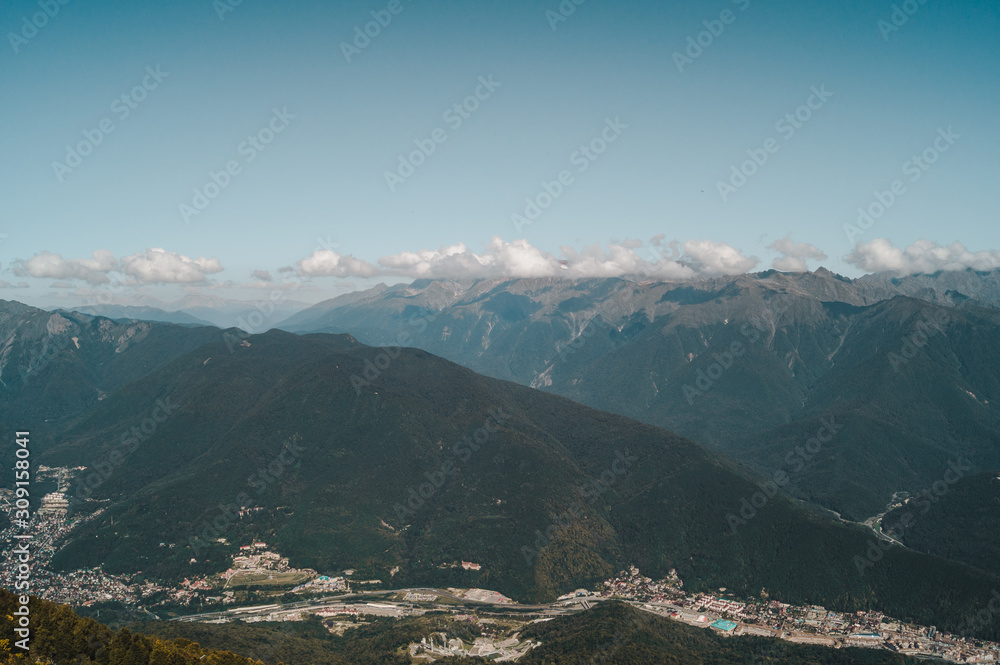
(154, 266)
(519, 258)
(794, 254)
(655, 259)
(922, 256)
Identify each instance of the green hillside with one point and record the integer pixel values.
(959, 521)
(58, 635)
(557, 497)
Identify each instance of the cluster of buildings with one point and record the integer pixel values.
(79, 587)
(323, 584)
(257, 558)
(633, 585)
(810, 624)
(189, 591)
(61, 475)
(88, 586)
(54, 504)
(49, 528)
(439, 644)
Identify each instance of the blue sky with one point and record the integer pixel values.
(555, 86)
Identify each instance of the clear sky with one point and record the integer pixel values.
(330, 113)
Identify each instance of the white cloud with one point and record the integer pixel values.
(8, 285)
(48, 265)
(158, 266)
(155, 266)
(518, 259)
(923, 256)
(794, 254)
(623, 259)
(262, 275)
(500, 259)
(713, 259)
(327, 263)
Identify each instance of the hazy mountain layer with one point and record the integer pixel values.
(744, 365)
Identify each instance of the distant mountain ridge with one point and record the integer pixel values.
(945, 287)
(256, 315)
(812, 344)
(141, 313)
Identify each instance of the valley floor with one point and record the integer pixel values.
(799, 624)
(256, 565)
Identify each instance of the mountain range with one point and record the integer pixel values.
(743, 365)
(200, 309)
(803, 404)
(56, 366)
(398, 463)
